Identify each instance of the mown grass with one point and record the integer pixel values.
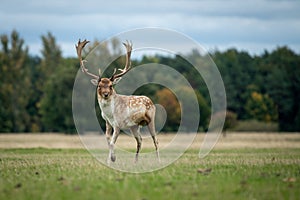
(224, 174)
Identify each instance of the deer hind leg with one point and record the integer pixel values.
(151, 128)
(135, 130)
(113, 140)
(141, 118)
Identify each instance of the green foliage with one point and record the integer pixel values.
(51, 86)
(204, 110)
(35, 92)
(238, 73)
(14, 84)
(56, 104)
(168, 100)
(283, 86)
(274, 76)
(261, 107)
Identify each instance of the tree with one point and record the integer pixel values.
(56, 104)
(50, 72)
(51, 54)
(238, 72)
(168, 100)
(14, 84)
(261, 107)
(282, 83)
(34, 94)
(204, 109)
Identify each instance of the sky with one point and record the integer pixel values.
(253, 26)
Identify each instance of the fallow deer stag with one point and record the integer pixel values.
(121, 111)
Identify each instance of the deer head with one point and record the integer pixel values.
(105, 85)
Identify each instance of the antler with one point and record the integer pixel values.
(127, 65)
(79, 48)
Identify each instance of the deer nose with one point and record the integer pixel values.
(105, 95)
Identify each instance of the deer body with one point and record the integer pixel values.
(121, 111)
(126, 111)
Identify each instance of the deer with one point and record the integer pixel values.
(121, 111)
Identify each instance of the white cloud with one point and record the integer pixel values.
(213, 22)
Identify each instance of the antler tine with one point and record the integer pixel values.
(128, 55)
(79, 48)
(128, 46)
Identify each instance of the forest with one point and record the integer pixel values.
(36, 91)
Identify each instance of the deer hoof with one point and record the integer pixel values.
(136, 158)
(113, 158)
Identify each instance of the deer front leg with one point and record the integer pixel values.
(115, 135)
(108, 132)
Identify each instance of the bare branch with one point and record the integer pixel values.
(79, 48)
(127, 67)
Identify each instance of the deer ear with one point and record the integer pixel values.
(94, 82)
(117, 80)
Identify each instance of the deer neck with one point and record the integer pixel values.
(108, 103)
(108, 107)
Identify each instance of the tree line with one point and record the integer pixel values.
(36, 91)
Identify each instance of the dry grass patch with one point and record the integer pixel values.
(231, 141)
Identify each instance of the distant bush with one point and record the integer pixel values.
(230, 120)
(257, 126)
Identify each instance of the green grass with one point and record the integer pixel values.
(74, 174)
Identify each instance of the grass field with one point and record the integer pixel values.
(242, 166)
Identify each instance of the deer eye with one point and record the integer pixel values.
(111, 87)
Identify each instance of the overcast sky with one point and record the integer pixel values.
(253, 25)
